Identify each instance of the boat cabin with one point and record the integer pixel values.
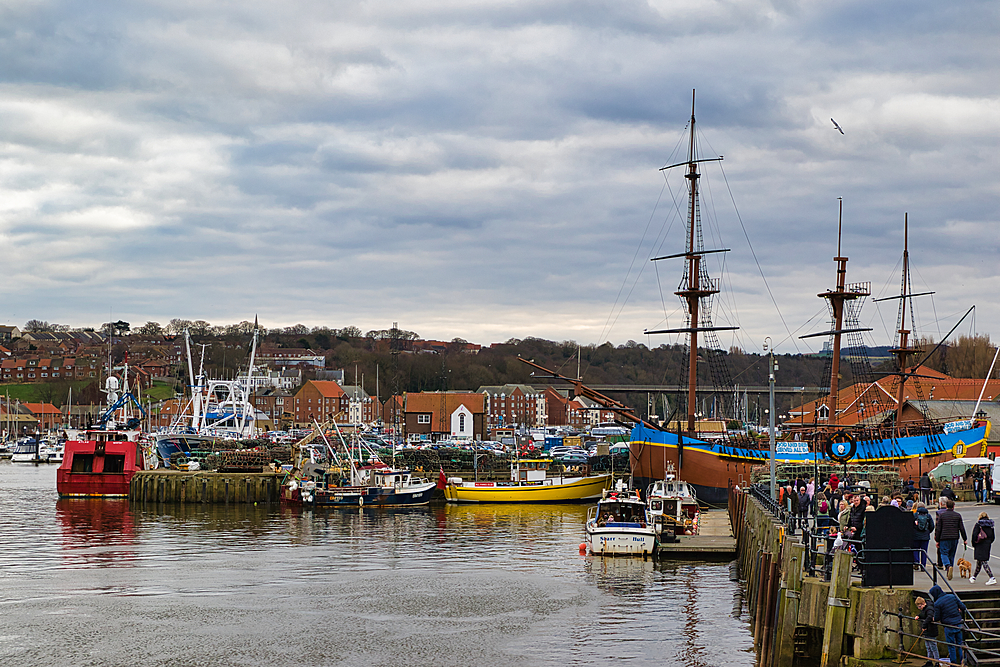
(529, 470)
(621, 509)
(673, 503)
(387, 477)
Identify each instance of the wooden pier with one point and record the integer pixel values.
(206, 487)
(714, 540)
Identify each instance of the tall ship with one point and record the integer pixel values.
(865, 428)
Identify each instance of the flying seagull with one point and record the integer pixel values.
(836, 126)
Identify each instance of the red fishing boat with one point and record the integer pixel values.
(103, 461)
(100, 464)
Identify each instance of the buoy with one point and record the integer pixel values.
(583, 547)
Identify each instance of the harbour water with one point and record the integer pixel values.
(103, 583)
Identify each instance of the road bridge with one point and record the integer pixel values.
(672, 388)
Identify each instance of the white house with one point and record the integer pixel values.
(462, 423)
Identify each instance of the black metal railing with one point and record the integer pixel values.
(974, 653)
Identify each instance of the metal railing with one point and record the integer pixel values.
(974, 653)
(819, 545)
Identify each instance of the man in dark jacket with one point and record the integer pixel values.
(948, 611)
(946, 533)
(926, 489)
(857, 520)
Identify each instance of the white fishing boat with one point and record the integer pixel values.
(52, 452)
(673, 508)
(620, 525)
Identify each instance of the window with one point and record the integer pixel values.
(423, 419)
(461, 422)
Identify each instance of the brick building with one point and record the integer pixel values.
(277, 405)
(443, 415)
(514, 405)
(320, 400)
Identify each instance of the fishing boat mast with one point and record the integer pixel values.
(695, 284)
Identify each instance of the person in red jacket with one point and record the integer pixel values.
(834, 481)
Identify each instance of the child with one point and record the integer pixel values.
(928, 629)
(982, 539)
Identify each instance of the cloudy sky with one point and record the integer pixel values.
(490, 170)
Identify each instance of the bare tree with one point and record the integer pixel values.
(150, 329)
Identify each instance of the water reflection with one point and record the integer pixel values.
(439, 584)
(96, 532)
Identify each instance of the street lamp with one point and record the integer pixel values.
(768, 347)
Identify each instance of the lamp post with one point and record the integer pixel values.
(768, 347)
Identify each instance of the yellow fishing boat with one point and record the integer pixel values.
(529, 483)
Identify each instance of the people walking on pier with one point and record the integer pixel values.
(803, 503)
(823, 520)
(928, 630)
(948, 612)
(926, 489)
(844, 517)
(923, 525)
(982, 541)
(946, 533)
(977, 486)
(857, 520)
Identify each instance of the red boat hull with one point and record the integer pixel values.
(100, 466)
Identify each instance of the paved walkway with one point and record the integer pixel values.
(970, 514)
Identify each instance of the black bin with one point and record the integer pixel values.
(888, 552)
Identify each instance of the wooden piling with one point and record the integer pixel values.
(761, 602)
(836, 610)
(176, 486)
(769, 612)
(788, 612)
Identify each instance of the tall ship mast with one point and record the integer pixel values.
(844, 302)
(903, 351)
(696, 288)
(873, 434)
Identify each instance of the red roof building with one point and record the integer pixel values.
(877, 400)
(442, 415)
(320, 400)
